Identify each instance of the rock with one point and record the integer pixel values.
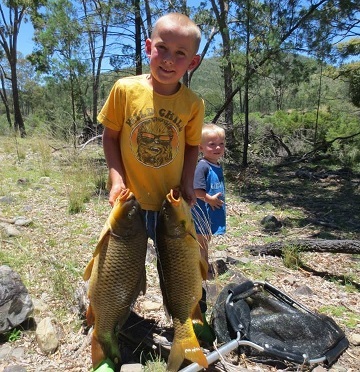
(6, 199)
(319, 369)
(5, 351)
(218, 267)
(304, 290)
(354, 339)
(338, 368)
(44, 180)
(22, 181)
(270, 222)
(151, 306)
(10, 230)
(18, 353)
(22, 221)
(14, 369)
(46, 336)
(290, 279)
(134, 367)
(15, 302)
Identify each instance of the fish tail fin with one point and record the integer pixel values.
(87, 272)
(186, 349)
(97, 353)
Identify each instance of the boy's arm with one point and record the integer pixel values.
(187, 178)
(112, 153)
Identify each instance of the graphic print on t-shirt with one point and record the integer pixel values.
(155, 142)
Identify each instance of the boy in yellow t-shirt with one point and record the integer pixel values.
(153, 122)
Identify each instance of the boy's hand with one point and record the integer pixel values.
(115, 192)
(188, 194)
(214, 201)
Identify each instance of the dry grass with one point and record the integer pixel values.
(62, 192)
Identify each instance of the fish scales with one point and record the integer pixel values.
(116, 275)
(181, 271)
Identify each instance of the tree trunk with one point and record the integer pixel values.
(18, 119)
(308, 245)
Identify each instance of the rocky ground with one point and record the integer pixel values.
(51, 253)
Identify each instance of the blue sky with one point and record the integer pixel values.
(25, 43)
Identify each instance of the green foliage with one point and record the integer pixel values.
(291, 257)
(13, 335)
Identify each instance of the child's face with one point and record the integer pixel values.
(171, 52)
(213, 147)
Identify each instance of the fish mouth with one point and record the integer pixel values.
(124, 195)
(173, 197)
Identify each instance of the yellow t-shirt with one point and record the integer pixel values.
(154, 129)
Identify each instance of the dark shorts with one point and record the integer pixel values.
(151, 218)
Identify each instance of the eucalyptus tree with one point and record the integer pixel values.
(262, 30)
(12, 14)
(97, 19)
(3, 90)
(350, 51)
(60, 48)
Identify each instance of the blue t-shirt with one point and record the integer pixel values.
(209, 177)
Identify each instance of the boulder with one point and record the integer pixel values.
(15, 303)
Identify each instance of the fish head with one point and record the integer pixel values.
(176, 215)
(126, 212)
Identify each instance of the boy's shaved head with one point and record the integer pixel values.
(175, 20)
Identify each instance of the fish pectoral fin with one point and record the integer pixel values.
(90, 318)
(204, 267)
(143, 283)
(104, 240)
(196, 314)
(88, 270)
(186, 349)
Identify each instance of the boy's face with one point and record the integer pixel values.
(213, 147)
(172, 52)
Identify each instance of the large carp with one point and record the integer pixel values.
(181, 272)
(117, 275)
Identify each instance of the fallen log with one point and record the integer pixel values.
(307, 245)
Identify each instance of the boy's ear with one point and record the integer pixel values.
(194, 63)
(148, 47)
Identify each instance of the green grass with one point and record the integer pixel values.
(342, 314)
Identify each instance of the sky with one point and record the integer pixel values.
(25, 42)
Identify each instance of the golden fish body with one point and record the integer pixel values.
(181, 272)
(116, 275)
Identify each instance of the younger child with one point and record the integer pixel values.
(210, 217)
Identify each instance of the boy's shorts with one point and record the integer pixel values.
(151, 218)
(201, 220)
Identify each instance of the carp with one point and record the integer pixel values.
(181, 272)
(116, 275)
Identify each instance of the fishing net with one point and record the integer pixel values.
(272, 326)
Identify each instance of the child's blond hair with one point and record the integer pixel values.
(211, 129)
